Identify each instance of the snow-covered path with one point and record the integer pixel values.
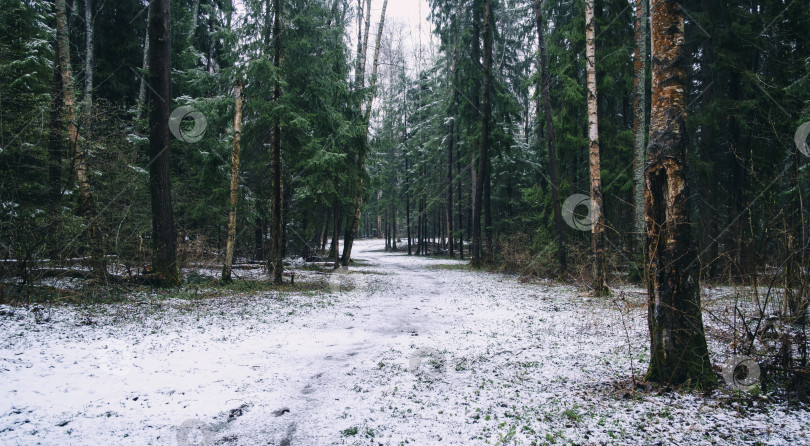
(402, 350)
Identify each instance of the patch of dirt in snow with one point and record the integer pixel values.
(395, 351)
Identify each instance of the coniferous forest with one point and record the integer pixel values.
(417, 221)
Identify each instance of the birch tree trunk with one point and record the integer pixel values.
(160, 62)
(678, 351)
(641, 65)
(598, 228)
(276, 256)
(145, 68)
(89, 31)
(551, 138)
(358, 206)
(237, 139)
(361, 68)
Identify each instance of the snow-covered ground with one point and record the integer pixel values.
(402, 350)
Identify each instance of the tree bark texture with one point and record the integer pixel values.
(276, 232)
(86, 202)
(678, 351)
(484, 142)
(237, 139)
(552, 147)
(163, 231)
(598, 228)
(358, 201)
(641, 66)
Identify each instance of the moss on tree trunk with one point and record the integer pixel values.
(678, 351)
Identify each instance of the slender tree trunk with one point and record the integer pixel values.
(408, 205)
(195, 12)
(89, 31)
(211, 21)
(237, 139)
(379, 218)
(678, 351)
(488, 211)
(55, 146)
(163, 232)
(598, 229)
(419, 227)
(144, 68)
(362, 43)
(258, 240)
(326, 229)
(484, 142)
(86, 201)
(358, 207)
(450, 148)
(277, 214)
(640, 118)
(552, 144)
(394, 229)
(335, 247)
(460, 208)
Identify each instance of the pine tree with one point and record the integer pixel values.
(483, 157)
(277, 229)
(160, 68)
(86, 199)
(544, 89)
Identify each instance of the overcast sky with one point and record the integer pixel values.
(406, 12)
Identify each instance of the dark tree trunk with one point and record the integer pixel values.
(552, 147)
(394, 229)
(86, 200)
(484, 142)
(488, 211)
(418, 227)
(460, 208)
(160, 66)
(55, 148)
(408, 205)
(258, 240)
(277, 216)
(678, 351)
(334, 250)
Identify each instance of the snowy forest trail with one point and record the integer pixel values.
(400, 349)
